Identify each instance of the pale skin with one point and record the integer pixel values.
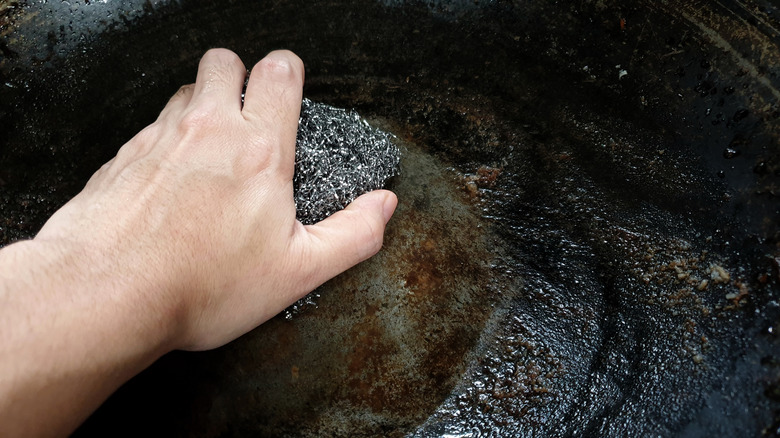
(186, 239)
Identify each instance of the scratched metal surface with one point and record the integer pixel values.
(587, 240)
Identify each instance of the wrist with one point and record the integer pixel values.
(77, 327)
(110, 294)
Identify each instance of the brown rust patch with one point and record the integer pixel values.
(408, 344)
(366, 366)
(390, 338)
(427, 277)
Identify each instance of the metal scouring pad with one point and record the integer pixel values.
(338, 157)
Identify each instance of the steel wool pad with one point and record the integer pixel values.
(338, 157)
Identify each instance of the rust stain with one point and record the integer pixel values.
(295, 374)
(366, 363)
(425, 277)
(407, 349)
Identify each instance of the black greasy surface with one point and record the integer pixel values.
(609, 199)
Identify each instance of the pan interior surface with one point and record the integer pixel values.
(587, 235)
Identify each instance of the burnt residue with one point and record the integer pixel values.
(565, 259)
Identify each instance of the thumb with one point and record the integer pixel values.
(347, 237)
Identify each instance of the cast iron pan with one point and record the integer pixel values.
(587, 240)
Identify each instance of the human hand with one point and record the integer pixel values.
(199, 207)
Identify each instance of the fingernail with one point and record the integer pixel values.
(391, 201)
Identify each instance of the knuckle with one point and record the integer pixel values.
(184, 90)
(281, 66)
(373, 236)
(377, 240)
(258, 153)
(196, 117)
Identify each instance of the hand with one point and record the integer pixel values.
(201, 203)
(185, 240)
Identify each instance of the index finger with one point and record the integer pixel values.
(220, 79)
